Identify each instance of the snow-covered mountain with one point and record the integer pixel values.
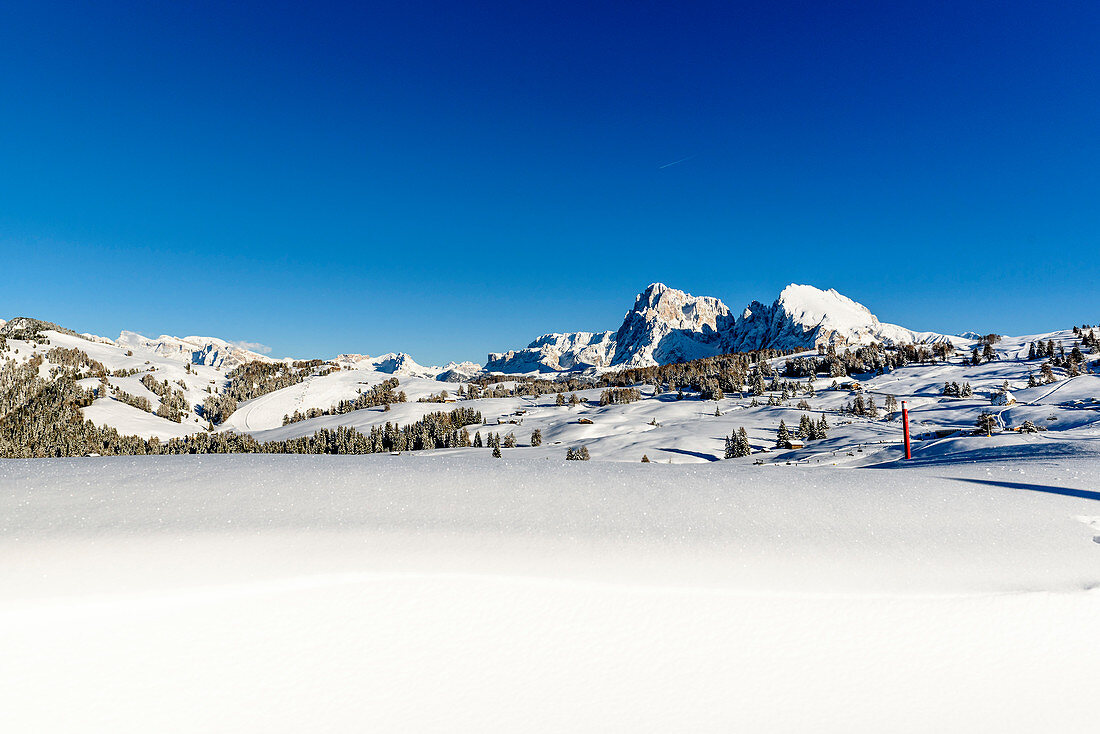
(667, 325)
(392, 363)
(557, 353)
(804, 317)
(458, 371)
(205, 350)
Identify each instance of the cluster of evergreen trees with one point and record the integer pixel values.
(173, 402)
(78, 360)
(1041, 350)
(573, 400)
(19, 382)
(811, 430)
(494, 441)
(618, 396)
(808, 430)
(433, 431)
(737, 444)
(953, 390)
(488, 386)
(441, 397)
(253, 379)
(577, 454)
(380, 394)
(861, 407)
(138, 401)
(27, 329)
(42, 418)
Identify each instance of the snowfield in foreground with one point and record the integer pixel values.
(463, 593)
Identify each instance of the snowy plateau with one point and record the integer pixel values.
(818, 581)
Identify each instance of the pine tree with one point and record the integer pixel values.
(645, 459)
(986, 423)
(805, 428)
(822, 428)
(783, 436)
(536, 436)
(560, 400)
(510, 441)
(496, 452)
(477, 440)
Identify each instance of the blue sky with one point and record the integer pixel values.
(452, 178)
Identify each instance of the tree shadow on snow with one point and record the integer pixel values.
(1080, 493)
(696, 454)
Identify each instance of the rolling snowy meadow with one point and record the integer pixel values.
(448, 592)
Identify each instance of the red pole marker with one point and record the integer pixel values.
(905, 421)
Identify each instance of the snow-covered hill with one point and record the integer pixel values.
(667, 326)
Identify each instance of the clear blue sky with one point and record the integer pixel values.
(449, 178)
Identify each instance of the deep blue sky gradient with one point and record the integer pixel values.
(450, 178)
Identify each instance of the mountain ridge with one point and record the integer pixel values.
(667, 325)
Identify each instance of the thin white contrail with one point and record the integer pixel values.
(675, 162)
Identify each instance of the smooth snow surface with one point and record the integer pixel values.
(428, 592)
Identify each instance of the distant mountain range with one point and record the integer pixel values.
(664, 326)
(668, 325)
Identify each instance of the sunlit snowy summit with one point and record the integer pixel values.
(666, 326)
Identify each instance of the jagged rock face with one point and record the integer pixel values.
(204, 350)
(667, 325)
(458, 371)
(557, 353)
